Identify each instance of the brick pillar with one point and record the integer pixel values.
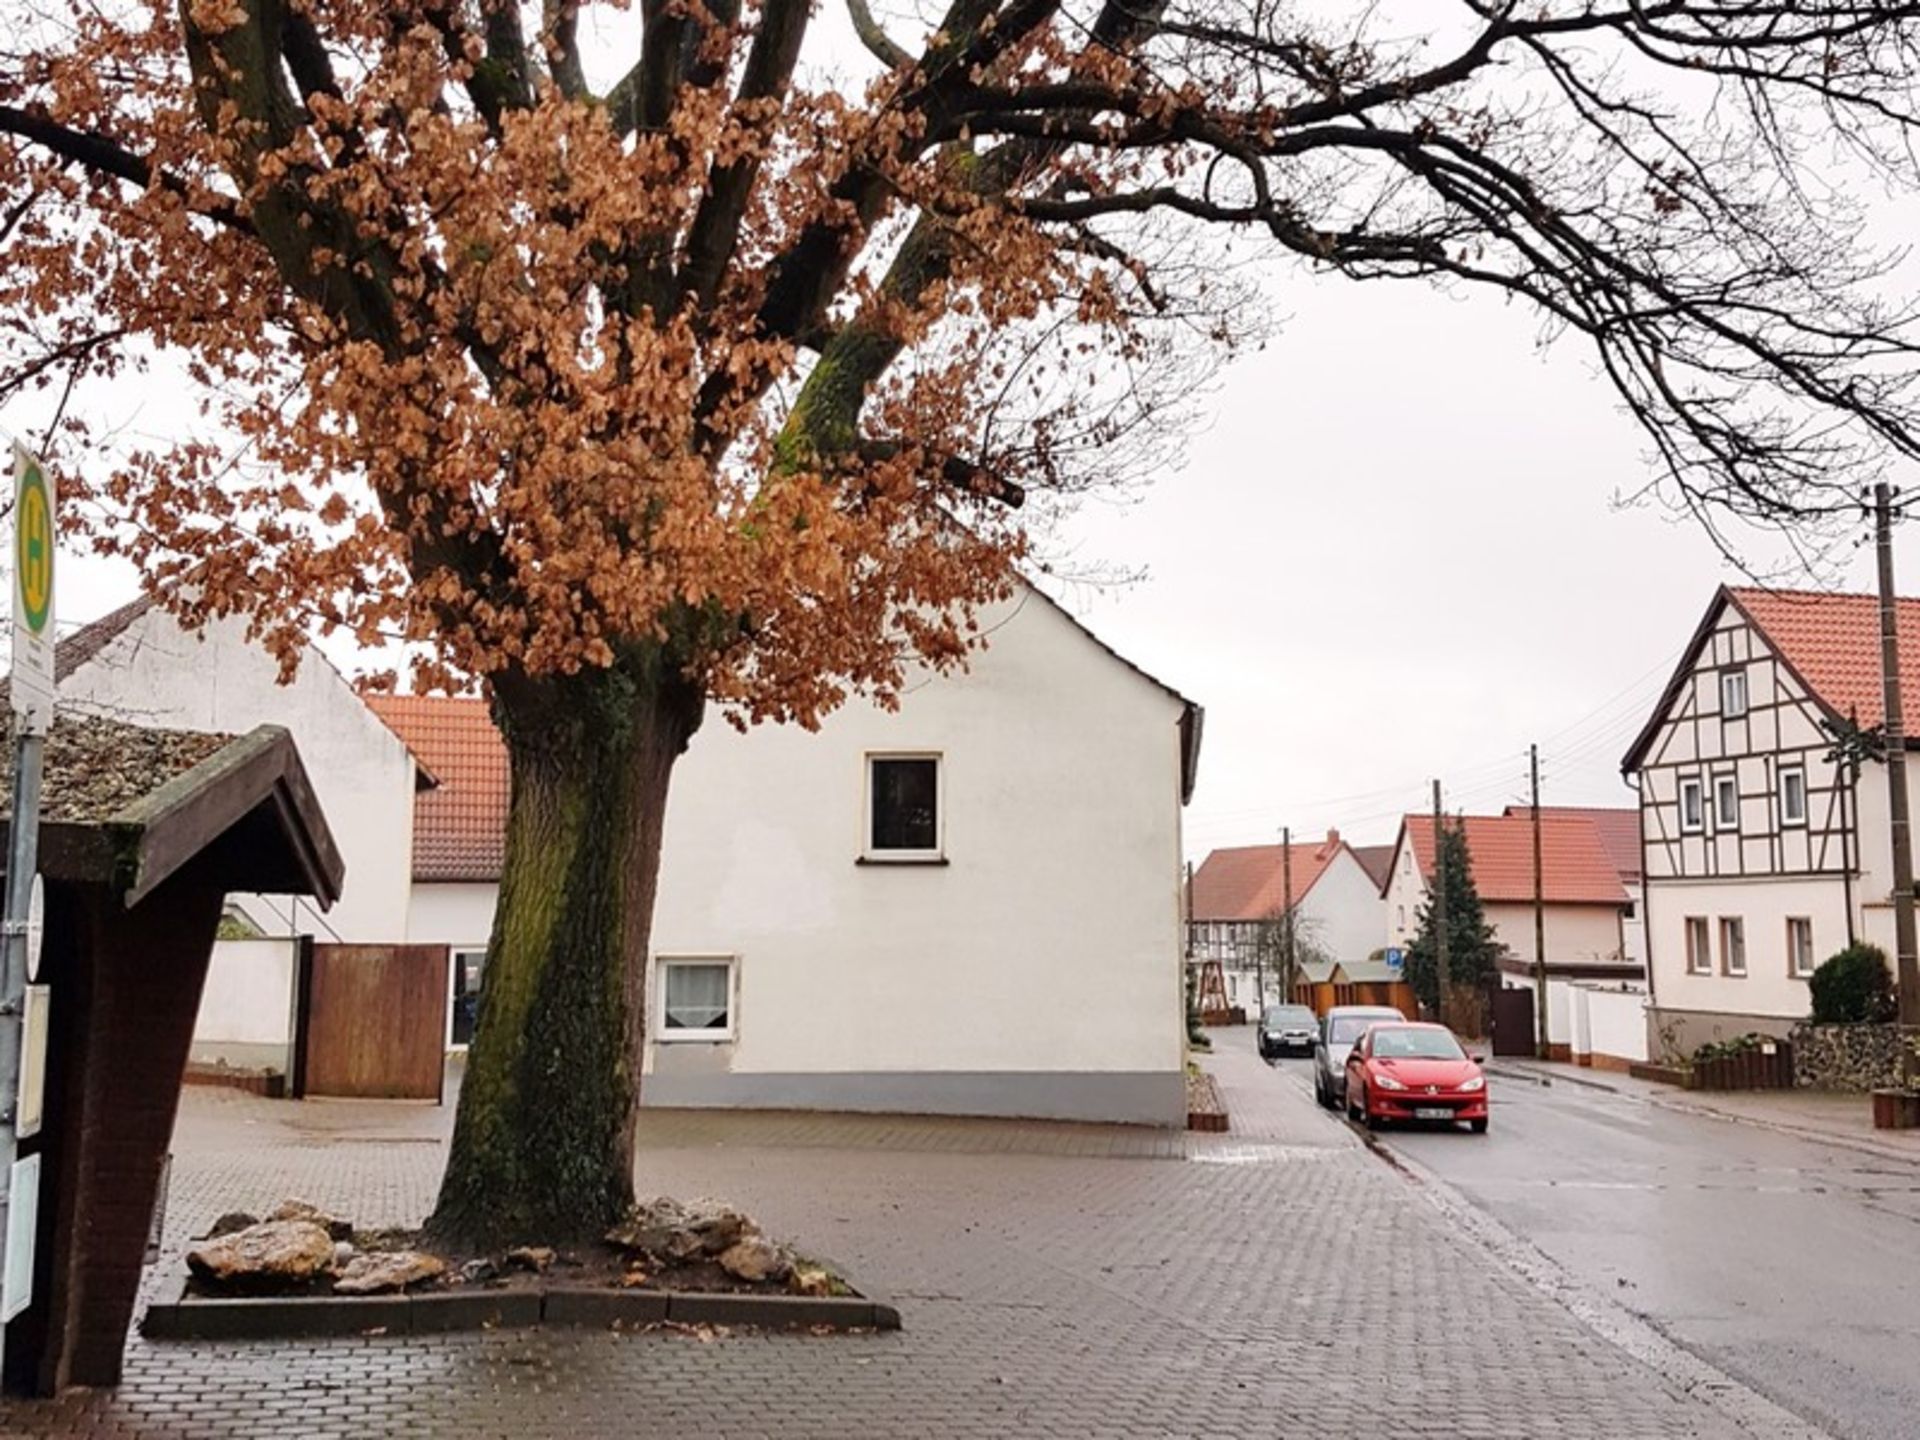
(125, 990)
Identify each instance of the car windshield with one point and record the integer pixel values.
(1416, 1045)
(1279, 1015)
(1348, 1028)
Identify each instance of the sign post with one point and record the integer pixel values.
(32, 694)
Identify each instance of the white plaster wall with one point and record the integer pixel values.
(1575, 933)
(1765, 904)
(455, 914)
(1343, 911)
(155, 673)
(246, 1008)
(1050, 942)
(1406, 893)
(1616, 1021)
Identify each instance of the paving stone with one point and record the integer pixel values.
(1053, 1280)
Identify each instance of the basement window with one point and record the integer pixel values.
(696, 998)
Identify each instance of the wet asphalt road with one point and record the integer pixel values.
(1793, 1265)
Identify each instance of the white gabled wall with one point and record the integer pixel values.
(1050, 942)
(1343, 911)
(155, 673)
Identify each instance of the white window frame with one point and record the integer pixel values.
(454, 952)
(1700, 955)
(1798, 925)
(1732, 681)
(904, 857)
(1734, 926)
(661, 1033)
(1787, 816)
(1721, 819)
(1699, 821)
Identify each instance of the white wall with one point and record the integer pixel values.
(1764, 904)
(155, 673)
(1344, 910)
(246, 1009)
(455, 914)
(1576, 934)
(1051, 940)
(1610, 1022)
(1406, 893)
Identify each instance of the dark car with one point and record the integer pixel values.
(1286, 1030)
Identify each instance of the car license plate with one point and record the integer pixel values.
(1432, 1112)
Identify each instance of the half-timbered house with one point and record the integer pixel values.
(1763, 854)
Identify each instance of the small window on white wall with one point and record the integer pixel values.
(1733, 945)
(1799, 947)
(903, 807)
(1692, 810)
(1726, 802)
(1733, 694)
(696, 999)
(1793, 796)
(1699, 956)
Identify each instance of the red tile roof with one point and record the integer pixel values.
(1249, 882)
(1376, 860)
(1833, 642)
(460, 826)
(1619, 831)
(1575, 868)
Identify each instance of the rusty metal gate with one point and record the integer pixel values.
(1512, 1021)
(372, 1022)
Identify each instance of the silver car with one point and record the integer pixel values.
(1339, 1028)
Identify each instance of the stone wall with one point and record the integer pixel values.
(1849, 1057)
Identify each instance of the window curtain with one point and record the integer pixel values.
(696, 997)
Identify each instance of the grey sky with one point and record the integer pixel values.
(1394, 554)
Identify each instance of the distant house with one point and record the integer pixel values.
(1764, 856)
(138, 665)
(1239, 896)
(971, 905)
(1619, 827)
(1585, 901)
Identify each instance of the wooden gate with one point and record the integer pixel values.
(1512, 1021)
(372, 1022)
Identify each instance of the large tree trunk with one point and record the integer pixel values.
(543, 1143)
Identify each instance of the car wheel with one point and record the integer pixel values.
(1320, 1092)
(1353, 1111)
(1479, 1127)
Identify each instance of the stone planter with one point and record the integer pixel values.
(1896, 1109)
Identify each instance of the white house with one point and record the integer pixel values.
(1763, 855)
(1619, 829)
(969, 906)
(1241, 891)
(136, 664)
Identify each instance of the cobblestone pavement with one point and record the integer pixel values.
(1055, 1280)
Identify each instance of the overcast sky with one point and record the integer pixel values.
(1395, 553)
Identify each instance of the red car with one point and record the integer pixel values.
(1414, 1072)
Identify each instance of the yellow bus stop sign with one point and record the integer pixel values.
(33, 552)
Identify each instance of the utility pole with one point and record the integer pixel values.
(1286, 894)
(1440, 965)
(1908, 972)
(1539, 913)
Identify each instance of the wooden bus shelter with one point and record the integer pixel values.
(143, 834)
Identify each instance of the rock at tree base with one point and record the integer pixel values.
(537, 1258)
(228, 1224)
(669, 1229)
(272, 1253)
(810, 1280)
(754, 1258)
(335, 1227)
(387, 1270)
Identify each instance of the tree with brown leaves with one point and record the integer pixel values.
(627, 364)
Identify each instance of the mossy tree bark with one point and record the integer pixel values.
(543, 1143)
